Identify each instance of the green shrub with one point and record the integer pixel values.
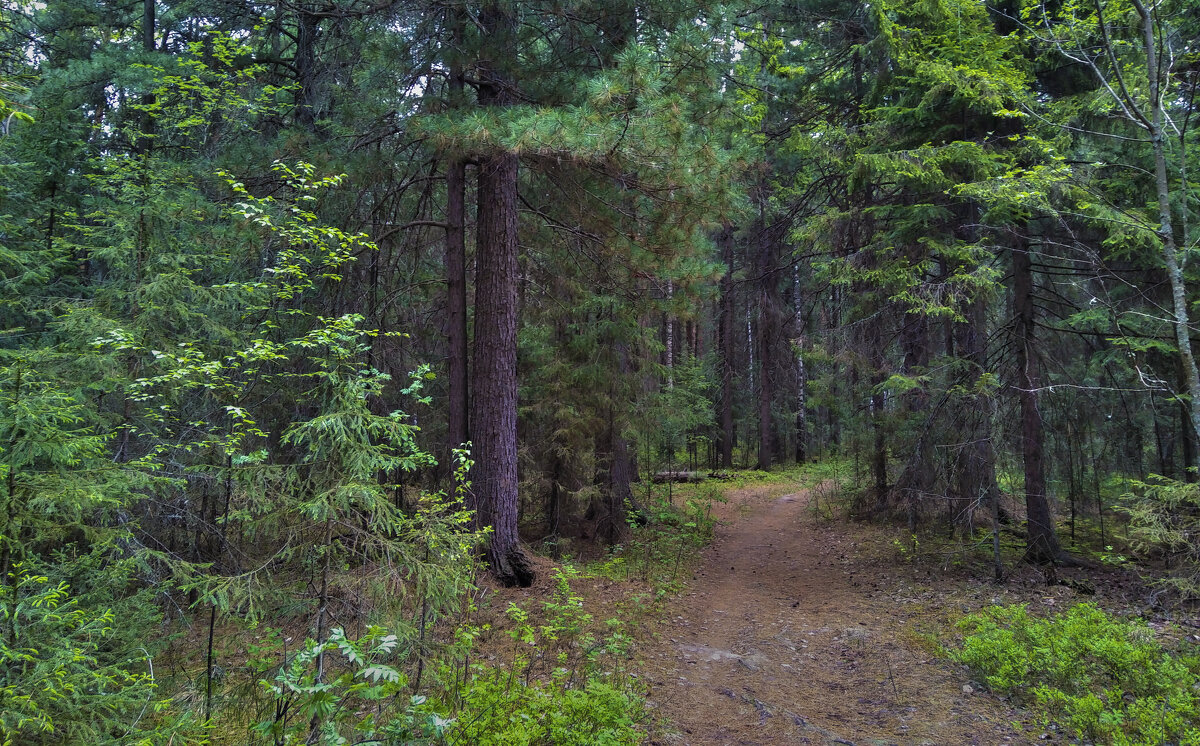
(498, 710)
(1110, 681)
(347, 691)
(565, 686)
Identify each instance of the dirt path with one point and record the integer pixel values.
(786, 635)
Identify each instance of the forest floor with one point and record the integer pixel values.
(798, 629)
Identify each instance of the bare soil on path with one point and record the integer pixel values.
(799, 630)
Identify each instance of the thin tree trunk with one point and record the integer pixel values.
(765, 267)
(669, 341)
(554, 508)
(801, 374)
(456, 263)
(879, 453)
(456, 311)
(1166, 230)
(308, 26)
(725, 347)
(146, 139)
(1188, 434)
(765, 271)
(1042, 543)
(976, 465)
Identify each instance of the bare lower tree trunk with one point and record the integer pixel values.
(1042, 544)
(1188, 436)
(917, 480)
(670, 348)
(766, 351)
(801, 374)
(879, 453)
(494, 399)
(456, 274)
(615, 475)
(976, 463)
(725, 348)
(615, 469)
(765, 258)
(456, 295)
(308, 26)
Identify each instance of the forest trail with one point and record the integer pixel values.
(788, 634)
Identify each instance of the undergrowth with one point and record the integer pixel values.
(566, 680)
(673, 533)
(1110, 681)
(554, 674)
(563, 679)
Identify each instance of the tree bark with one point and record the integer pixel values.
(801, 373)
(1166, 229)
(308, 26)
(1042, 545)
(494, 399)
(976, 462)
(879, 453)
(1188, 436)
(670, 349)
(765, 267)
(767, 290)
(614, 475)
(916, 482)
(456, 296)
(149, 20)
(725, 348)
(456, 274)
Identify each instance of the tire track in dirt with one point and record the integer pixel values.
(787, 636)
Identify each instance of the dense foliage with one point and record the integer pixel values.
(307, 307)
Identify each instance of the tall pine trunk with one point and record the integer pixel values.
(494, 399)
(916, 483)
(308, 28)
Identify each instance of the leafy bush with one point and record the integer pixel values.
(564, 686)
(343, 688)
(1110, 681)
(498, 710)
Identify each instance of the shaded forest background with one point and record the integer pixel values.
(265, 267)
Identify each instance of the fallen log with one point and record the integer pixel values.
(722, 475)
(678, 476)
